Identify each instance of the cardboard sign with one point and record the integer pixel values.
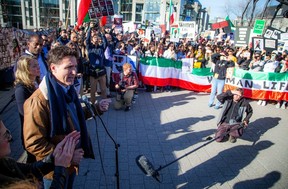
(272, 33)
(174, 34)
(118, 20)
(259, 27)
(258, 44)
(242, 36)
(187, 30)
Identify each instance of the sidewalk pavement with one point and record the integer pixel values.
(165, 126)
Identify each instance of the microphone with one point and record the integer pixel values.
(146, 166)
(84, 99)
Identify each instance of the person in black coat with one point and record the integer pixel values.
(236, 110)
(26, 82)
(218, 80)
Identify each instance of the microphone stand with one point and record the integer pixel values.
(116, 146)
(224, 134)
(146, 166)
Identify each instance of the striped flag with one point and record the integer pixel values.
(171, 13)
(256, 85)
(82, 11)
(162, 72)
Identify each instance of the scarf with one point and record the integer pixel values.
(58, 103)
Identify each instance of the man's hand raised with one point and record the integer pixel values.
(64, 150)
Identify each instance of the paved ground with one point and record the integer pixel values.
(165, 126)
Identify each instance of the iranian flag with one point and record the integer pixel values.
(82, 10)
(162, 72)
(171, 13)
(260, 85)
(256, 85)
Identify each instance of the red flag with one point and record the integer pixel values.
(103, 20)
(82, 11)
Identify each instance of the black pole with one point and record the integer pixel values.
(224, 134)
(116, 149)
(117, 165)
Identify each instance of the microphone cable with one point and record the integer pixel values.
(99, 151)
(92, 109)
(115, 144)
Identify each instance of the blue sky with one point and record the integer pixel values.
(217, 6)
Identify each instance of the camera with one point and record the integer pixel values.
(122, 85)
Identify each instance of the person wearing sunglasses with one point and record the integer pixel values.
(13, 173)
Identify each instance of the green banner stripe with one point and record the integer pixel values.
(202, 72)
(260, 75)
(239, 73)
(161, 62)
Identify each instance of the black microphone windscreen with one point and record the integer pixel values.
(146, 166)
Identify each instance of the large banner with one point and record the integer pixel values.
(99, 8)
(257, 85)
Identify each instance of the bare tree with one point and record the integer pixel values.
(253, 11)
(235, 8)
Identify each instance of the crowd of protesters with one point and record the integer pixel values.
(92, 46)
(97, 44)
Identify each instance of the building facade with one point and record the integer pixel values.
(157, 12)
(30, 14)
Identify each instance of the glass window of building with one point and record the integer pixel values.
(11, 12)
(152, 10)
(126, 6)
(49, 13)
(138, 12)
(127, 17)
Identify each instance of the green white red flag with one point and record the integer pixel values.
(171, 13)
(256, 85)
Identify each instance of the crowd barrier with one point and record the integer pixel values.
(256, 85)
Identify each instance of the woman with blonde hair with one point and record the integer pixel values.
(27, 78)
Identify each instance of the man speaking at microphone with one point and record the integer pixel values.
(54, 111)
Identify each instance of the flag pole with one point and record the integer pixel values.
(68, 13)
(170, 13)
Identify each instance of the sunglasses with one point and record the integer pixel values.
(7, 135)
